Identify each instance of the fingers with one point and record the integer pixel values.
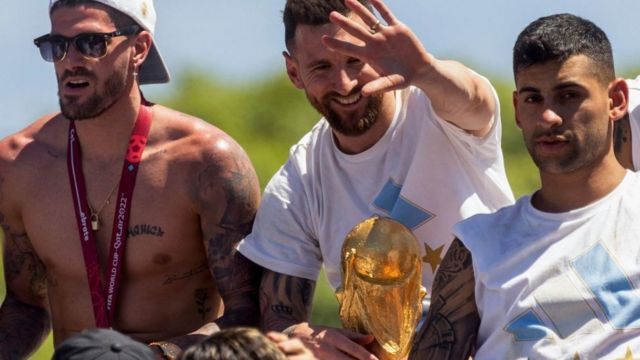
(383, 84)
(343, 343)
(361, 339)
(277, 337)
(343, 47)
(362, 11)
(352, 27)
(384, 11)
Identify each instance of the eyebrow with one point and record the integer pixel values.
(562, 86)
(314, 63)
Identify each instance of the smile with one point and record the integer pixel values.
(348, 100)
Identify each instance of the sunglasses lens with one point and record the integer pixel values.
(58, 49)
(52, 49)
(91, 45)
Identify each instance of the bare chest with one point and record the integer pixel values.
(163, 231)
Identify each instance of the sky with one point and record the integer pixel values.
(242, 41)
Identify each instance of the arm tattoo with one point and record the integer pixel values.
(452, 323)
(228, 198)
(23, 327)
(24, 318)
(284, 300)
(622, 142)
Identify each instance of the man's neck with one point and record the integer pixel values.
(105, 137)
(565, 192)
(357, 144)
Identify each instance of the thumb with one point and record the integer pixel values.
(361, 339)
(382, 84)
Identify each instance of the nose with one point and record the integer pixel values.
(550, 119)
(345, 82)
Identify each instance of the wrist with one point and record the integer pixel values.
(166, 350)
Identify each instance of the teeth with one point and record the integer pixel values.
(348, 100)
(77, 82)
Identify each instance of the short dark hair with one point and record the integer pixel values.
(558, 37)
(120, 19)
(311, 12)
(240, 343)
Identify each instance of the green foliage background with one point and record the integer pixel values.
(268, 116)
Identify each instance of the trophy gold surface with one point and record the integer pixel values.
(381, 292)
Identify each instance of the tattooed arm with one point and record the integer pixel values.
(285, 304)
(225, 194)
(24, 315)
(451, 328)
(229, 196)
(622, 142)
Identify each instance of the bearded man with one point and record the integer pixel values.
(69, 210)
(403, 135)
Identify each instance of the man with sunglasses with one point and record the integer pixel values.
(113, 172)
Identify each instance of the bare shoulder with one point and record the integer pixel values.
(14, 145)
(28, 150)
(217, 167)
(196, 138)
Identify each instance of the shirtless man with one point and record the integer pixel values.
(195, 197)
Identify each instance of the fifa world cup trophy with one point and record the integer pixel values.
(381, 292)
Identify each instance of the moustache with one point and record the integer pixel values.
(77, 72)
(551, 135)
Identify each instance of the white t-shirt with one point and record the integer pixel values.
(557, 285)
(424, 172)
(634, 119)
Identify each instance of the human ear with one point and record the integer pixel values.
(514, 99)
(292, 70)
(618, 99)
(143, 42)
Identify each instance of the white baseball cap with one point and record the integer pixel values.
(153, 70)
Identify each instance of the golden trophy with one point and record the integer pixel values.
(381, 292)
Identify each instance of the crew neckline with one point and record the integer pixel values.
(585, 211)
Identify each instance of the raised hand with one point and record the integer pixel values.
(393, 50)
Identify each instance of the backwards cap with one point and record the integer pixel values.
(153, 70)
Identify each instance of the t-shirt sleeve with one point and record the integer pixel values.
(282, 238)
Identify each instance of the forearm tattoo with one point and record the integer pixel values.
(284, 300)
(23, 327)
(231, 197)
(452, 323)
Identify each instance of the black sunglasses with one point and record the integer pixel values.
(90, 45)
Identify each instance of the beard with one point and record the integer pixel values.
(580, 153)
(349, 126)
(98, 102)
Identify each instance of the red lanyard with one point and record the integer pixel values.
(104, 298)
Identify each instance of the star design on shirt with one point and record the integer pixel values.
(628, 355)
(433, 257)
